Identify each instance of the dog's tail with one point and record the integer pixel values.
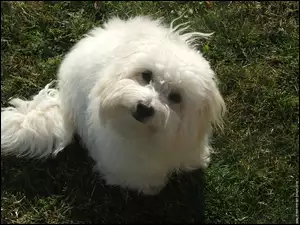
(33, 128)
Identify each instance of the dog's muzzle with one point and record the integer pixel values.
(143, 112)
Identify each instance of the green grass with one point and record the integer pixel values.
(252, 177)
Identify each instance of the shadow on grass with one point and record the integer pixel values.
(70, 176)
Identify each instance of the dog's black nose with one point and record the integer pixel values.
(143, 112)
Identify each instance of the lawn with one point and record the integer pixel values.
(253, 174)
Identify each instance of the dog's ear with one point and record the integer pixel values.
(215, 107)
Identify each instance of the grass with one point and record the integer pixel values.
(253, 174)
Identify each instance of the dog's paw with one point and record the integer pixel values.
(205, 158)
(200, 161)
(204, 162)
(151, 191)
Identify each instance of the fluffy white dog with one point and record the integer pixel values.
(140, 96)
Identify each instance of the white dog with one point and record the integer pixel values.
(140, 96)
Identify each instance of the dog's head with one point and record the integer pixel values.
(157, 84)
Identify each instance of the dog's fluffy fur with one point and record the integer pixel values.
(100, 84)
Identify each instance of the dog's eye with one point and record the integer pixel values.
(147, 76)
(175, 97)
